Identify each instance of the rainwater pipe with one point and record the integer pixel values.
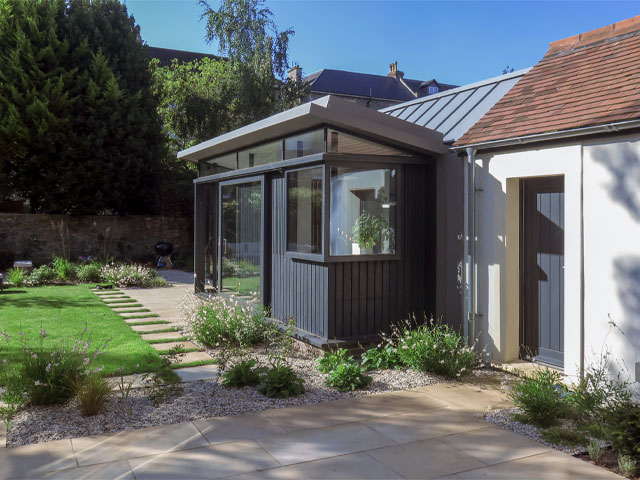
(470, 294)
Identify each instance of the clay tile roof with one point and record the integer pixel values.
(589, 79)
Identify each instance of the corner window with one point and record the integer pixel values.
(304, 144)
(304, 210)
(260, 155)
(363, 211)
(339, 142)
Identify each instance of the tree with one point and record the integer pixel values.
(258, 56)
(79, 129)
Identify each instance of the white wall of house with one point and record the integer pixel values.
(611, 182)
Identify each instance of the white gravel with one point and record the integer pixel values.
(502, 418)
(201, 399)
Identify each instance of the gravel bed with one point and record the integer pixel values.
(502, 418)
(202, 399)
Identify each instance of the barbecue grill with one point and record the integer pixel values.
(163, 250)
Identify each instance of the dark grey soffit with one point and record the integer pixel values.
(455, 111)
(328, 110)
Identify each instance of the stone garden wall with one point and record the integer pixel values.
(38, 236)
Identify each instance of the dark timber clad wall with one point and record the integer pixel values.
(298, 288)
(366, 297)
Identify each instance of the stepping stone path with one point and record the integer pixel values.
(157, 321)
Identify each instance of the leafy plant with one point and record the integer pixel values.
(224, 320)
(242, 374)
(331, 360)
(17, 276)
(131, 276)
(596, 451)
(163, 384)
(89, 273)
(432, 347)
(281, 382)
(628, 465)
(63, 268)
(381, 358)
(369, 229)
(541, 397)
(43, 275)
(348, 377)
(562, 435)
(624, 430)
(93, 391)
(11, 395)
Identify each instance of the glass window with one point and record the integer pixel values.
(221, 164)
(260, 155)
(338, 142)
(363, 211)
(304, 210)
(304, 144)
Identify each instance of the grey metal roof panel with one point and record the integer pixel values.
(453, 112)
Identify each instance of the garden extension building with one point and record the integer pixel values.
(509, 207)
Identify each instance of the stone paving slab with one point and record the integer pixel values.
(104, 471)
(194, 374)
(238, 427)
(193, 357)
(168, 346)
(3, 435)
(36, 459)
(160, 336)
(154, 327)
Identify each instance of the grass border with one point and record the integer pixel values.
(166, 340)
(144, 315)
(156, 322)
(198, 363)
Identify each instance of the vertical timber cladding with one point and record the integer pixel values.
(366, 297)
(298, 287)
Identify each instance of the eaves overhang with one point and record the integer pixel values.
(328, 110)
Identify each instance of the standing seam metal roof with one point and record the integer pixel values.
(455, 111)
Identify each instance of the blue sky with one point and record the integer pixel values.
(455, 42)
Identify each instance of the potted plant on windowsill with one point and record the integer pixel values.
(368, 231)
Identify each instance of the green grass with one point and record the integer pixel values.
(168, 340)
(124, 300)
(146, 315)
(198, 363)
(241, 286)
(142, 310)
(154, 322)
(178, 350)
(64, 312)
(127, 305)
(161, 330)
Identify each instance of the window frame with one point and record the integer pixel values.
(317, 257)
(399, 227)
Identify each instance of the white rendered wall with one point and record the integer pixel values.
(497, 324)
(612, 250)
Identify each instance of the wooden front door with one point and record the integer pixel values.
(542, 269)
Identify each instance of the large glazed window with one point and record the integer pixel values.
(304, 211)
(241, 239)
(260, 155)
(363, 211)
(304, 144)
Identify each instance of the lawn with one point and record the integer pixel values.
(64, 312)
(241, 285)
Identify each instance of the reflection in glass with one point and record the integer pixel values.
(339, 142)
(363, 211)
(241, 235)
(224, 163)
(304, 210)
(260, 155)
(304, 144)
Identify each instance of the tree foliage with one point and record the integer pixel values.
(79, 130)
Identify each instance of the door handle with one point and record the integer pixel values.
(224, 246)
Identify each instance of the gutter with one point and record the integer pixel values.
(541, 137)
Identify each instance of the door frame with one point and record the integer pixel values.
(263, 232)
(553, 180)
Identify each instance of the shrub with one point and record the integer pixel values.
(331, 360)
(242, 374)
(63, 268)
(628, 466)
(381, 358)
(17, 276)
(596, 451)
(432, 347)
(239, 268)
(562, 435)
(541, 397)
(624, 430)
(348, 377)
(131, 276)
(280, 382)
(88, 273)
(93, 391)
(43, 275)
(226, 321)
(598, 393)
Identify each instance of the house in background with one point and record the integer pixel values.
(554, 189)
(372, 91)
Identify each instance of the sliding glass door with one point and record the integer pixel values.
(241, 238)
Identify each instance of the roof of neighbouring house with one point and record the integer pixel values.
(328, 110)
(585, 80)
(340, 82)
(166, 55)
(454, 111)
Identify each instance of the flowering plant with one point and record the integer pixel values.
(131, 276)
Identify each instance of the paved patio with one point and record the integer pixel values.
(427, 432)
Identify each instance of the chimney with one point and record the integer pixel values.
(295, 74)
(394, 72)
